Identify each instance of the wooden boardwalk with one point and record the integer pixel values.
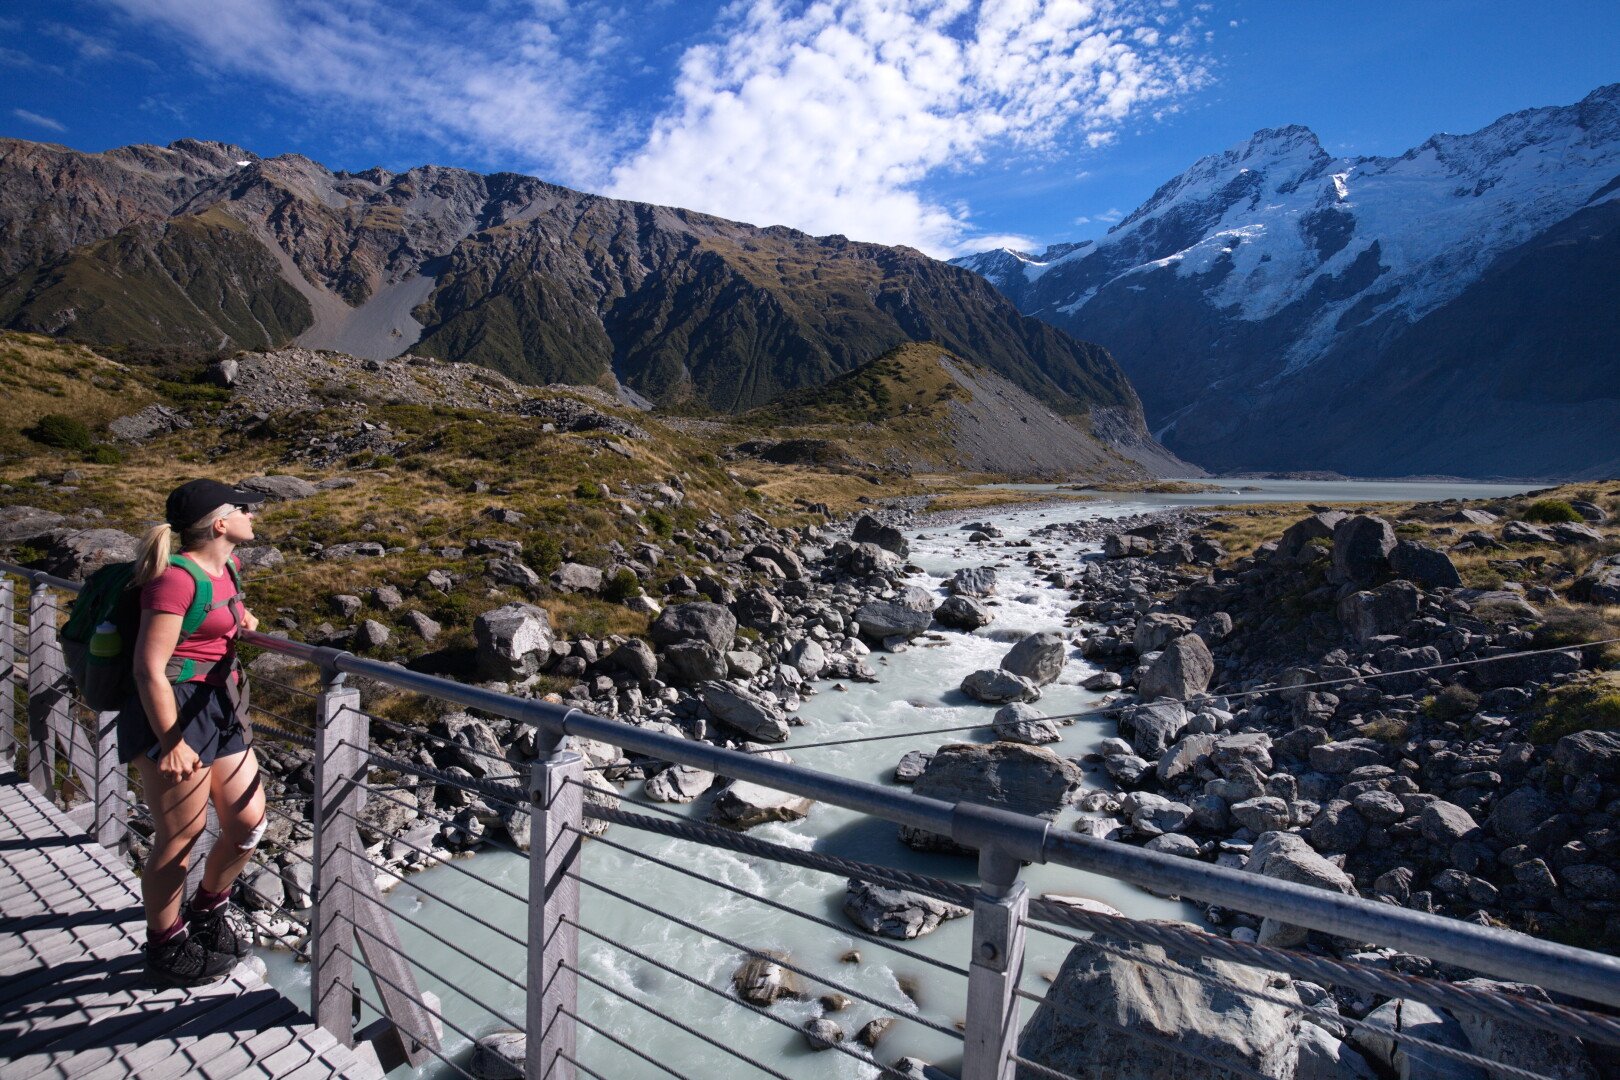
(74, 1001)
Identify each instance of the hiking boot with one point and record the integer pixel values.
(224, 930)
(184, 961)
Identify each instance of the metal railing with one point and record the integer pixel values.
(351, 931)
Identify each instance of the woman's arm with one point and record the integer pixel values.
(154, 646)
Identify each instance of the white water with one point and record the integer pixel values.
(917, 692)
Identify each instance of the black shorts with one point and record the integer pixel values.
(207, 722)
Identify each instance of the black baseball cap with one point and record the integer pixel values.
(194, 499)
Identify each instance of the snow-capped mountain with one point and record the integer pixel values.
(1281, 308)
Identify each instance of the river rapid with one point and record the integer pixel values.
(917, 693)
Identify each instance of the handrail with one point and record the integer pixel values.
(1504, 954)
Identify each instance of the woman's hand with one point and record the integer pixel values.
(179, 762)
(250, 621)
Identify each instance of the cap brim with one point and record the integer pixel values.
(248, 496)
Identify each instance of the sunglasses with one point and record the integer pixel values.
(245, 508)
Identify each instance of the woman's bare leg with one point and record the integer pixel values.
(239, 802)
(179, 812)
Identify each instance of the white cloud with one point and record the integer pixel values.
(36, 118)
(831, 116)
(505, 83)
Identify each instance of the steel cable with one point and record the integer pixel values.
(415, 1037)
(448, 864)
(442, 820)
(759, 954)
(854, 932)
(621, 1044)
(486, 924)
(461, 990)
(419, 1038)
(1561, 1019)
(391, 913)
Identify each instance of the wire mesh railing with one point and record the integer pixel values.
(564, 957)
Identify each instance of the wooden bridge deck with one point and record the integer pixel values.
(74, 1001)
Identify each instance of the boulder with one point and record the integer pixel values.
(1020, 723)
(697, 621)
(1361, 547)
(1468, 516)
(577, 577)
(1522, 1046)
(1589, 753)
(513, 641)
(973, 581)
(911, 766)
(1038, 658)
(746, 711)
(635, 658)
(963, 613)
(1300, 533)
(758, 610)
(150, 422)
(1147, 1022)
(1323, 1057)
(370, 635)
(869, 530)
(1104, 681)
(1519, 816)
(1157, 629)
(1153, 814)
(78, 553)
(354, 549)
(1384, 610)
(1571, 534)
(821, 1034)
(994, 686)
(678, 784)
(1012, 776)
(1345, 755)
(1154, 727)
(1338, 827)
(1126, 546)
(742, 805)
(1185, 757)
(1519, 532)
(1286, 856)
(279, 488)
(895, 913)
(512, 574)
(688, 663)
(807, 657)
(760, 981)
(865, 560)
(1405, 1061)
(1263, 814)
(1599, 583)
(907, 615)
(499, 1055)
(1427, 566)
(1444, 824)
(1182, 670)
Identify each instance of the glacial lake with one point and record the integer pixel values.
(917, 692)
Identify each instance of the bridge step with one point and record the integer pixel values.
(74, 1001)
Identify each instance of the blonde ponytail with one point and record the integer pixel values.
(152, 556)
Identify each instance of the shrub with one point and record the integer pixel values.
(1453, 702)
(660, 523)
(587, 489)
(1551, 512)
(63, 432)
(543, 552)
(105, 455)
(1592, 705)
(622, 586)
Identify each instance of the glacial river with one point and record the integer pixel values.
(917, 692)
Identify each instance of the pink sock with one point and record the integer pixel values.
(164, 936)
(208, 901)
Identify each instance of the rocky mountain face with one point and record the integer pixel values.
(206, 244)
(1450, 310)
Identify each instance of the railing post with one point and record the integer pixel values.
(47, 703)
(8, 664)
(999, 911)
(556, 805)
(110, 786)
(340, 733)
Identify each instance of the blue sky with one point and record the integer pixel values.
(947, 124)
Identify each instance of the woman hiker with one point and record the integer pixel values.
(186, 730)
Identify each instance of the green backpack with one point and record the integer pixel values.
(98, 639)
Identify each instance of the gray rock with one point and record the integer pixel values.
(1444, 824)
(1401, 1058)
(150, 422)
(499, 1055)
(1361, 547)
(279, 488)
(759, 981)
(1599, 583)
(1214, 627)
(1154, 814)
(1429, 567)
(679, 784)
(746, 711)
(699, 620)
(1522, 1046)
(1519, 816)
(1265, 813)
(1038, 658)
(1589, 753)
(743, 664)
(1380, 807)
(577, 577)
(1338, 758)
(1571, 534)
(907, 615)
(1300, 533)
(344, 605)
(759, 610)
(1020, 723)
(963, 613)
(1323, 1057)
(911, 766)
(894, 913)
(688, 663)
(635, 658)
(1185, 757)
(78, 553)
(355, 549)
(807, 657)
(1590, 882)
(994, 686)
(1126, 546)
(1384, 610)
(1286, 856)
(742, 805)
(974, 581)
(873, 1030)
(821, 1033)
(370, 635)
(1154, 727)
(869, 530)
(1157, 629)
(1101, 1000)
(512, 574)
(1024, 779)
(1104, 681)
(513, 641)
(865, 560)
(1519, 532)
(1182, 670)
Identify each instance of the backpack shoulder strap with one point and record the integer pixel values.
(200, 601)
